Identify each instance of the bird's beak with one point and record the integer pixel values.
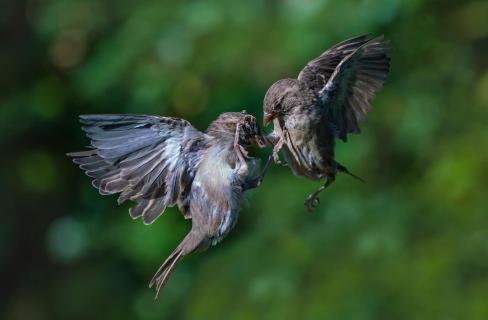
(267, 118)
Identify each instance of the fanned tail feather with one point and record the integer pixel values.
(161, 276)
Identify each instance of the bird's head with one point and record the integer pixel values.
(278, 101)
(226, 124)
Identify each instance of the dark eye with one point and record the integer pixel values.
(279, 105)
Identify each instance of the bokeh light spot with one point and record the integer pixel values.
(68, 49)
(66, 239)
(190, 96)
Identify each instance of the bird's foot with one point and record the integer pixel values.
(244, 152)
(311, 202)
(277, 160)
(277, 147)
(241, 153)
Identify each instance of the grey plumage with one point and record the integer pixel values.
(160, 162)
(328, 100)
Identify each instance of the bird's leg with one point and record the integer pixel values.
(256, 182)
(244, 152)
(312, 200)
(243, 169)
(277, 147)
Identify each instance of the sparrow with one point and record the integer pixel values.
(161, 162)
(328, 100)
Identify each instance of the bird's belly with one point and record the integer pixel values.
(214, 216)
(216, 196)
(304, 164)
(226, 223)
(309, 157)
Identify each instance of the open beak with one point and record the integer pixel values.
(267, 118)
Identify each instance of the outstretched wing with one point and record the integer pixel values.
(316, 73)
(147, 159)
(346, 77)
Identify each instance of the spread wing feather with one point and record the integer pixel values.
(147, 159)
(318, 71)
(346, 78)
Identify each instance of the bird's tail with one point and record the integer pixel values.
(187, 246)
(162, 275)
(343, 169)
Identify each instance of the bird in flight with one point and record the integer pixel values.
(160, 162)
(328, 100)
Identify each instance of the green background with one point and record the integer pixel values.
(411, 243)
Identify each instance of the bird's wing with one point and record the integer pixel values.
(316, 73)
(347, 77)
(147, 159)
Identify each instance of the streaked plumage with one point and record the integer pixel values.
(328, 100)
(160, 162)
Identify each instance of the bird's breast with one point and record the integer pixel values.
(216, 194)
(309, 146)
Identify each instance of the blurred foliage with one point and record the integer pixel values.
(411, 243)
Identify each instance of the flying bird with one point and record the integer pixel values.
(161, 162)
(328, 100)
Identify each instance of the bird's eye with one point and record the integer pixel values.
(279, 104)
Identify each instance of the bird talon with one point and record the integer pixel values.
(244, 152)
(309, 204)
(277, 160)
(312, 202)
(281, 163)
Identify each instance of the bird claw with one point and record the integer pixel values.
(242, 171)
(277, 147)
(241, 153)
(244, 152)
(311, 202)
(278, 161)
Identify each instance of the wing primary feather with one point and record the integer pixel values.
(361, 65)
(143, 158)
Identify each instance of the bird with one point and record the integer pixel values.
(161, 162)
(328, 100)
